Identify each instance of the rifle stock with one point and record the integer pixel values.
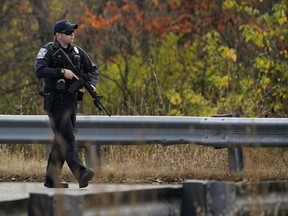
(62, 56)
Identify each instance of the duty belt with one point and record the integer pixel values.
(65, 96)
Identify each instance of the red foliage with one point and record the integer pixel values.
(22, 9)
(99, 22)
(161, 24)
(186, 17)
(100, 42)
(130, 8)
(112, 8)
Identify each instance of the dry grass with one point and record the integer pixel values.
(152, 164)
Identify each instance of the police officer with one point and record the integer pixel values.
(61, 105)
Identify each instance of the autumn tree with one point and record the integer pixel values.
(157, 58)
(193, 57)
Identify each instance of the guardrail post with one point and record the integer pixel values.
(235, 159)
(93, 155)
(208, 198)
(194, 200)
(55, 205)
(235, 154)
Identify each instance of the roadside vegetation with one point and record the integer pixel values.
(154, 164)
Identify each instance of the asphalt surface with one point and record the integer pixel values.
(21, 190)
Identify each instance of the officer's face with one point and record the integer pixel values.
(68, 36)
(65, 38)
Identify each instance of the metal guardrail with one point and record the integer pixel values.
(219, 132)
(194, 197)
(230, 198)
(158, 201)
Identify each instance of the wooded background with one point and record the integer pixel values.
(157, 57)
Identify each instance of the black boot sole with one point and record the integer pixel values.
(85, 178)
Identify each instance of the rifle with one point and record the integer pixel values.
(62, 56)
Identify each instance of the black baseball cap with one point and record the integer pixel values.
(64, 26)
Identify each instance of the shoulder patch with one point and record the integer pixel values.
(42, 52)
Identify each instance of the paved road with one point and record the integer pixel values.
(21, 190)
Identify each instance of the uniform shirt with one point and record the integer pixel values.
(50, 71)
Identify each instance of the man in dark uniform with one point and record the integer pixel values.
(61, 105)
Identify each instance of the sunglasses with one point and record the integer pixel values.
(68, 32)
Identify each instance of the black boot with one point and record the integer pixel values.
(85, 178)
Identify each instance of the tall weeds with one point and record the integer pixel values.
(153, 164)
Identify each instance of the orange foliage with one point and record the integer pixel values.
(130, 25)
(130, 7)
(176, 16)
(22, 9)
(161, 24)
(100, 42)
(143, 22)
(99, 22)
(112, 8)
(113, 19)
(182, 24)
(123, 52)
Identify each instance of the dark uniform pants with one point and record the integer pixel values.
(63, 117)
